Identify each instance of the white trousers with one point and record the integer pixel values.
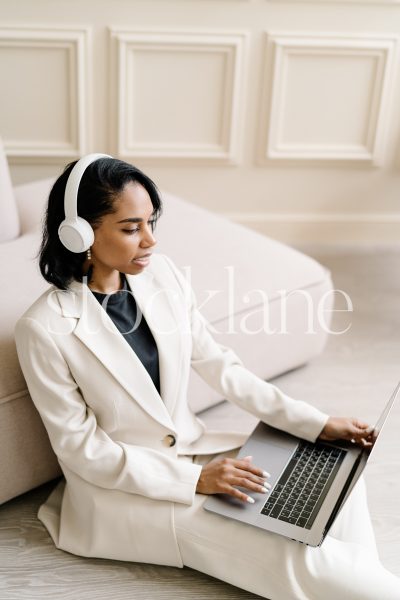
(345, 567)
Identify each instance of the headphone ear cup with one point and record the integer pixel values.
(76, 234)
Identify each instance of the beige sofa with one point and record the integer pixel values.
(238, 277)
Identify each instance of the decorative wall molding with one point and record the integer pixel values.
(378, 2)
(263, 217)
(282, 50)
(323, 228)
(75, 43)
(228, 46)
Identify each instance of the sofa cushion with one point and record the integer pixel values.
(31, 199)
(261, 297)
(9, 220)
(20, 291)
(232, 268)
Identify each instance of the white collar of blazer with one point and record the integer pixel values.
(98, 332)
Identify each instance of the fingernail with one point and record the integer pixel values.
(266, 474)
(267, 485)
(264, 490)
(250, 500)
(247, 458)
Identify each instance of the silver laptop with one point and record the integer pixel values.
(310, 482)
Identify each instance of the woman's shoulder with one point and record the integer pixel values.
(39, 304)
(46, 308)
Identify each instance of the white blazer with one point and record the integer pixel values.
(116, 439)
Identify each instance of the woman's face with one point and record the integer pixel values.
(124, 240)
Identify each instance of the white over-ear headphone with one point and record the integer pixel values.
(75, 233)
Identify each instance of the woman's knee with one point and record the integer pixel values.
(348, 571)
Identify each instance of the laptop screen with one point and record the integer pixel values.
(381, 421)
(365, 454)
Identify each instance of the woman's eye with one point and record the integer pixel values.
(131, 230)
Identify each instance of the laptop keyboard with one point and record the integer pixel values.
(304, 484)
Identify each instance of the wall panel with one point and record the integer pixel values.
(180, 94)
(43, 109)
(329, 97)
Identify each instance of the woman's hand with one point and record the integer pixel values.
(348, 428)
(220, 476)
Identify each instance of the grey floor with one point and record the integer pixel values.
(354, 376)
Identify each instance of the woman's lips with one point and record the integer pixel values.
(143, 261)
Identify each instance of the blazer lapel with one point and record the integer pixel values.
(99, 334)
(155, 301)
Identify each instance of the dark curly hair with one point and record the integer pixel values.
(101, 183)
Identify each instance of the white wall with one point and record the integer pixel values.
(282, 115)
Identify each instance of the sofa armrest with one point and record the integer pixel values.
(31, 201)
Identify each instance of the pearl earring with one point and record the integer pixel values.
(89, 254)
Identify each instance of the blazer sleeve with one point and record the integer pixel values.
(224, 371)
(76, 438)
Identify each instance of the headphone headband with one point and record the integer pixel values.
(75, 233)
(74, 179)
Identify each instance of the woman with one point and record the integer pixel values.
(106, 353)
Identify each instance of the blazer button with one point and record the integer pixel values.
(170, 440)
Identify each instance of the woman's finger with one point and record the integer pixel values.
(361, 433)
(361, 425)
(253, 478)
(246, 466)
(238, 494)
(250, 485)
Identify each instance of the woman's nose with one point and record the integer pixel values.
(148, 239)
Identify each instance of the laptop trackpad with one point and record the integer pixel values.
(268, 457)
(271, 449)
(271, 457)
